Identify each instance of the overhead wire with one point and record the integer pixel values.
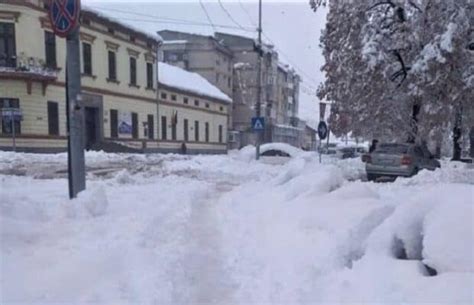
(207, 15)
(167, 20)
(311, 84)
(230, 15)
(247, 13)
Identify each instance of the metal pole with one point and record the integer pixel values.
(329, 134)
(259, 76)
(12, 119)
(76, 159)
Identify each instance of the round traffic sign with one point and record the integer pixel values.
(64, 16)
(322, 130)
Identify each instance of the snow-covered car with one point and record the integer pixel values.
(279, 149)
(394, 160)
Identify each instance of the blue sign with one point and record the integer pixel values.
(258, 124)
(11, 113)
(64, 15)
(322, 130)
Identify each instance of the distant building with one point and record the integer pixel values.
(280, 92)
(230, 63)
(119, 88)
(191, 111)
(201, 54)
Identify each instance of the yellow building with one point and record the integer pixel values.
(119, 88)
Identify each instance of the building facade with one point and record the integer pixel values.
(279, 86)
(119, 86)
(201, 54)
(279, 92)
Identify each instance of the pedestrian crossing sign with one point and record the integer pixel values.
(258, 123)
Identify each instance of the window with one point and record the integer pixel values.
(229, 83)
(53, 119)
(151, 127)
(7, 126)
(186, 135)
(207, 105)
(133, 71)
(217, 77)
(111, 31)
(132, 38)
(112, 66)
(196, 131)
(207, 131)
(50, 49)
(164, 96)
(134, 125)
(196, 102)
(87, 58)
(149, 75)
(170, 56)
(7, 45)
(220, 133)
(113, 123)
(173, 131)
(221, 108)
(163, 128)
(186, 100)
(173, 97)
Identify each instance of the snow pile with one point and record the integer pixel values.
(178, 78)
(169, 229)
(450, 250)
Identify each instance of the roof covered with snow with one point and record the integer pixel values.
(91, 12)
(172, 76)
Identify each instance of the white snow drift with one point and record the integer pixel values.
(174, 229)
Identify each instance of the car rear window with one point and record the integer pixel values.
(391, 149)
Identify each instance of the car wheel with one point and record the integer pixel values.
(415, 171)
(371, 177)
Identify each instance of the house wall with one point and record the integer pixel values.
(30, 26)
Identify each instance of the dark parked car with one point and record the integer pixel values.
(394, 160)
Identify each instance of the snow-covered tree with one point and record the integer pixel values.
(401, 69)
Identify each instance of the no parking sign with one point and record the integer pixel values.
(64, 16)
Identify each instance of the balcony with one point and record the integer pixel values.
(28, 69)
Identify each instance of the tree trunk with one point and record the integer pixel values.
(457, 133)
(414, 123)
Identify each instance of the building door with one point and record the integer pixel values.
(91, 126)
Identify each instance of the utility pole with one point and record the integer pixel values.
(259, 77)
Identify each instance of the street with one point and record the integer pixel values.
(169, 229)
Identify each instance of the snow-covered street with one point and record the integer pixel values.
(170, 229)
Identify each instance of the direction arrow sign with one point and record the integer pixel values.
(258, 123)
(64, 15)
(322, 130)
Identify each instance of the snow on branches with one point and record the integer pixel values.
(386, 57)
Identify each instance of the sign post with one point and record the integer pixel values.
(322, 134)
(12, 115)
(258, 126)
(64, 17)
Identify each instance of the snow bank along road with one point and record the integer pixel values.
(173, 229)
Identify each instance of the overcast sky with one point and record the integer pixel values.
(290, 25)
